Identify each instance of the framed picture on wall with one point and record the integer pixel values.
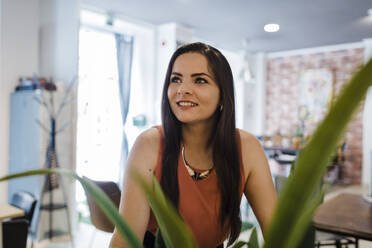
(316, 92)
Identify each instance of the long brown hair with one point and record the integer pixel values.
(223, 139)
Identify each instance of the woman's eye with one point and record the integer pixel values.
(175, 80)
(201, 81)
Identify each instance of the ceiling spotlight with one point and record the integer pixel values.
(271, 27)
(370, 12)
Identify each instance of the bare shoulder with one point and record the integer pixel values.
(249, 141)
(145, 150)
(149, 138)
(259, 189)
(253, 154)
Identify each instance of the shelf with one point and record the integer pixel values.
(54, 233)
(51, 207)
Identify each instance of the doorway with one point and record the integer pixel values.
(99, 123)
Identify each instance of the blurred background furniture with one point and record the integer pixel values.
(27, 142)
(26, 201)
(329, 239)
(280, 162)
(281, 168)
(7, 211)
(346, 214)
(15, 233)
(97, 217)
(16, 230)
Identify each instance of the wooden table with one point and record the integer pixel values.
(7, 211)
(281, 150)
(346, 214)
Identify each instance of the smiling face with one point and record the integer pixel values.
(193, 93)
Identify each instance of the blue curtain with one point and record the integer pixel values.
(124, 51)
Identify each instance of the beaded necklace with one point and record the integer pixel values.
(194, 175)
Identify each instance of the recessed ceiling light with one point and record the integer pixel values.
(370, 12)
(271, 27)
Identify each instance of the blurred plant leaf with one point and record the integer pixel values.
(240, 244)
(174, 231)
(253, 239)
(102, 200)
(304, 221)
(159, 242)
(252, 242)
(313, 160)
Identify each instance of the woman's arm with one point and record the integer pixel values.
(133, 204)
(259, 188)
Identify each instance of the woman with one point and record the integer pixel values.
(203, 163)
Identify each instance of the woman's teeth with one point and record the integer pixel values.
(187, 104)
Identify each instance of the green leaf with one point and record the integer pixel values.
(253, 239)
(313, 160)
(174, 231)
(240, 244)
(159, 242)
(252, 243)
(304, 221)
(102, 200)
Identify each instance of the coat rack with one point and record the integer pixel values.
(53, 182)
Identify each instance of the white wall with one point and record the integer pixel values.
(367, 125)
(19, 53)
(59, 29)
(253, 95)
(250, 96)
(261, 92)
(235, 60)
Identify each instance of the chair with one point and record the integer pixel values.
(25, 201)
(97, 217)
(15, 233)
(15, 230)
(329, 239)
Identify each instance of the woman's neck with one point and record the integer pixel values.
(197, 150)
(196, 136)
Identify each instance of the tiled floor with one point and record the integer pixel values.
(88, 237)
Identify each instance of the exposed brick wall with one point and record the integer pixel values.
(283, 75)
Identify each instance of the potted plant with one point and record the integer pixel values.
(296, 203)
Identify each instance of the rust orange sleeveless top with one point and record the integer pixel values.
(199, 201)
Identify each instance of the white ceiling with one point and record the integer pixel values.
(226, 24)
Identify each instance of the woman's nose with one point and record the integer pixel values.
(184, 88)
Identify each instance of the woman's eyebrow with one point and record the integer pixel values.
(193, 75)
(201, 74)
(177, 73)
